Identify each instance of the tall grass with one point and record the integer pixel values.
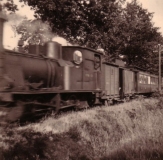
(128, 131)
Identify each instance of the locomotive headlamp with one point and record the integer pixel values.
(77, 57)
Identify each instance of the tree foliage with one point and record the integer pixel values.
(86, 22)
(8, 6)
(141, 37)
(109, 24)
(103, 24)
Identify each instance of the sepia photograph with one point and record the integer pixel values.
(81, 79)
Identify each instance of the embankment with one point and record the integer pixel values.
(128, 131)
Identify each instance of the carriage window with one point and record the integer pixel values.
(149, 80)
(145, 80)
(132, 77)
(140, 79)
(144, 77)
(97, 62)
(153, 80)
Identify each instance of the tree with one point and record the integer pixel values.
(140, 36)
(105, 24)
(90, 23)
(8, 6)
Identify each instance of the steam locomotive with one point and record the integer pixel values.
(64, 76)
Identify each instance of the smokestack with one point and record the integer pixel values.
(2, 20)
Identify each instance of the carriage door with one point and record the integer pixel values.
(121, 82)
(136, 81)
(97, 71)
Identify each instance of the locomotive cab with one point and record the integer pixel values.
(86, 72)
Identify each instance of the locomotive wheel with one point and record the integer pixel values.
(57, 101)
(107, 103)
(127, 99)
(15, 113)
(74, 101)
(91, 100)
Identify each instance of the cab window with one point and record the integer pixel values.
(97, 61)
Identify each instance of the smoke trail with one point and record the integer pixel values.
(11, 37)
(30, 31)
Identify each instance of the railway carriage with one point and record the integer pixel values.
(127, 79)
(110, 82)
(144, 85)
(147, 83)
(154, 82)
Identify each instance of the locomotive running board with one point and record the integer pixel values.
(54, 92)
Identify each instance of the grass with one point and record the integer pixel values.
(124, 132)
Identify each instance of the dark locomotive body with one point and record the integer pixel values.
(50, 76)
(63, 76)
(60, 77)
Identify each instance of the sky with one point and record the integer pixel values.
(155, 6)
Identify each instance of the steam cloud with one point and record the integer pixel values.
(34, 28)
(10, 37)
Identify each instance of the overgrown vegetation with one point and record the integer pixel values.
(128, 131)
